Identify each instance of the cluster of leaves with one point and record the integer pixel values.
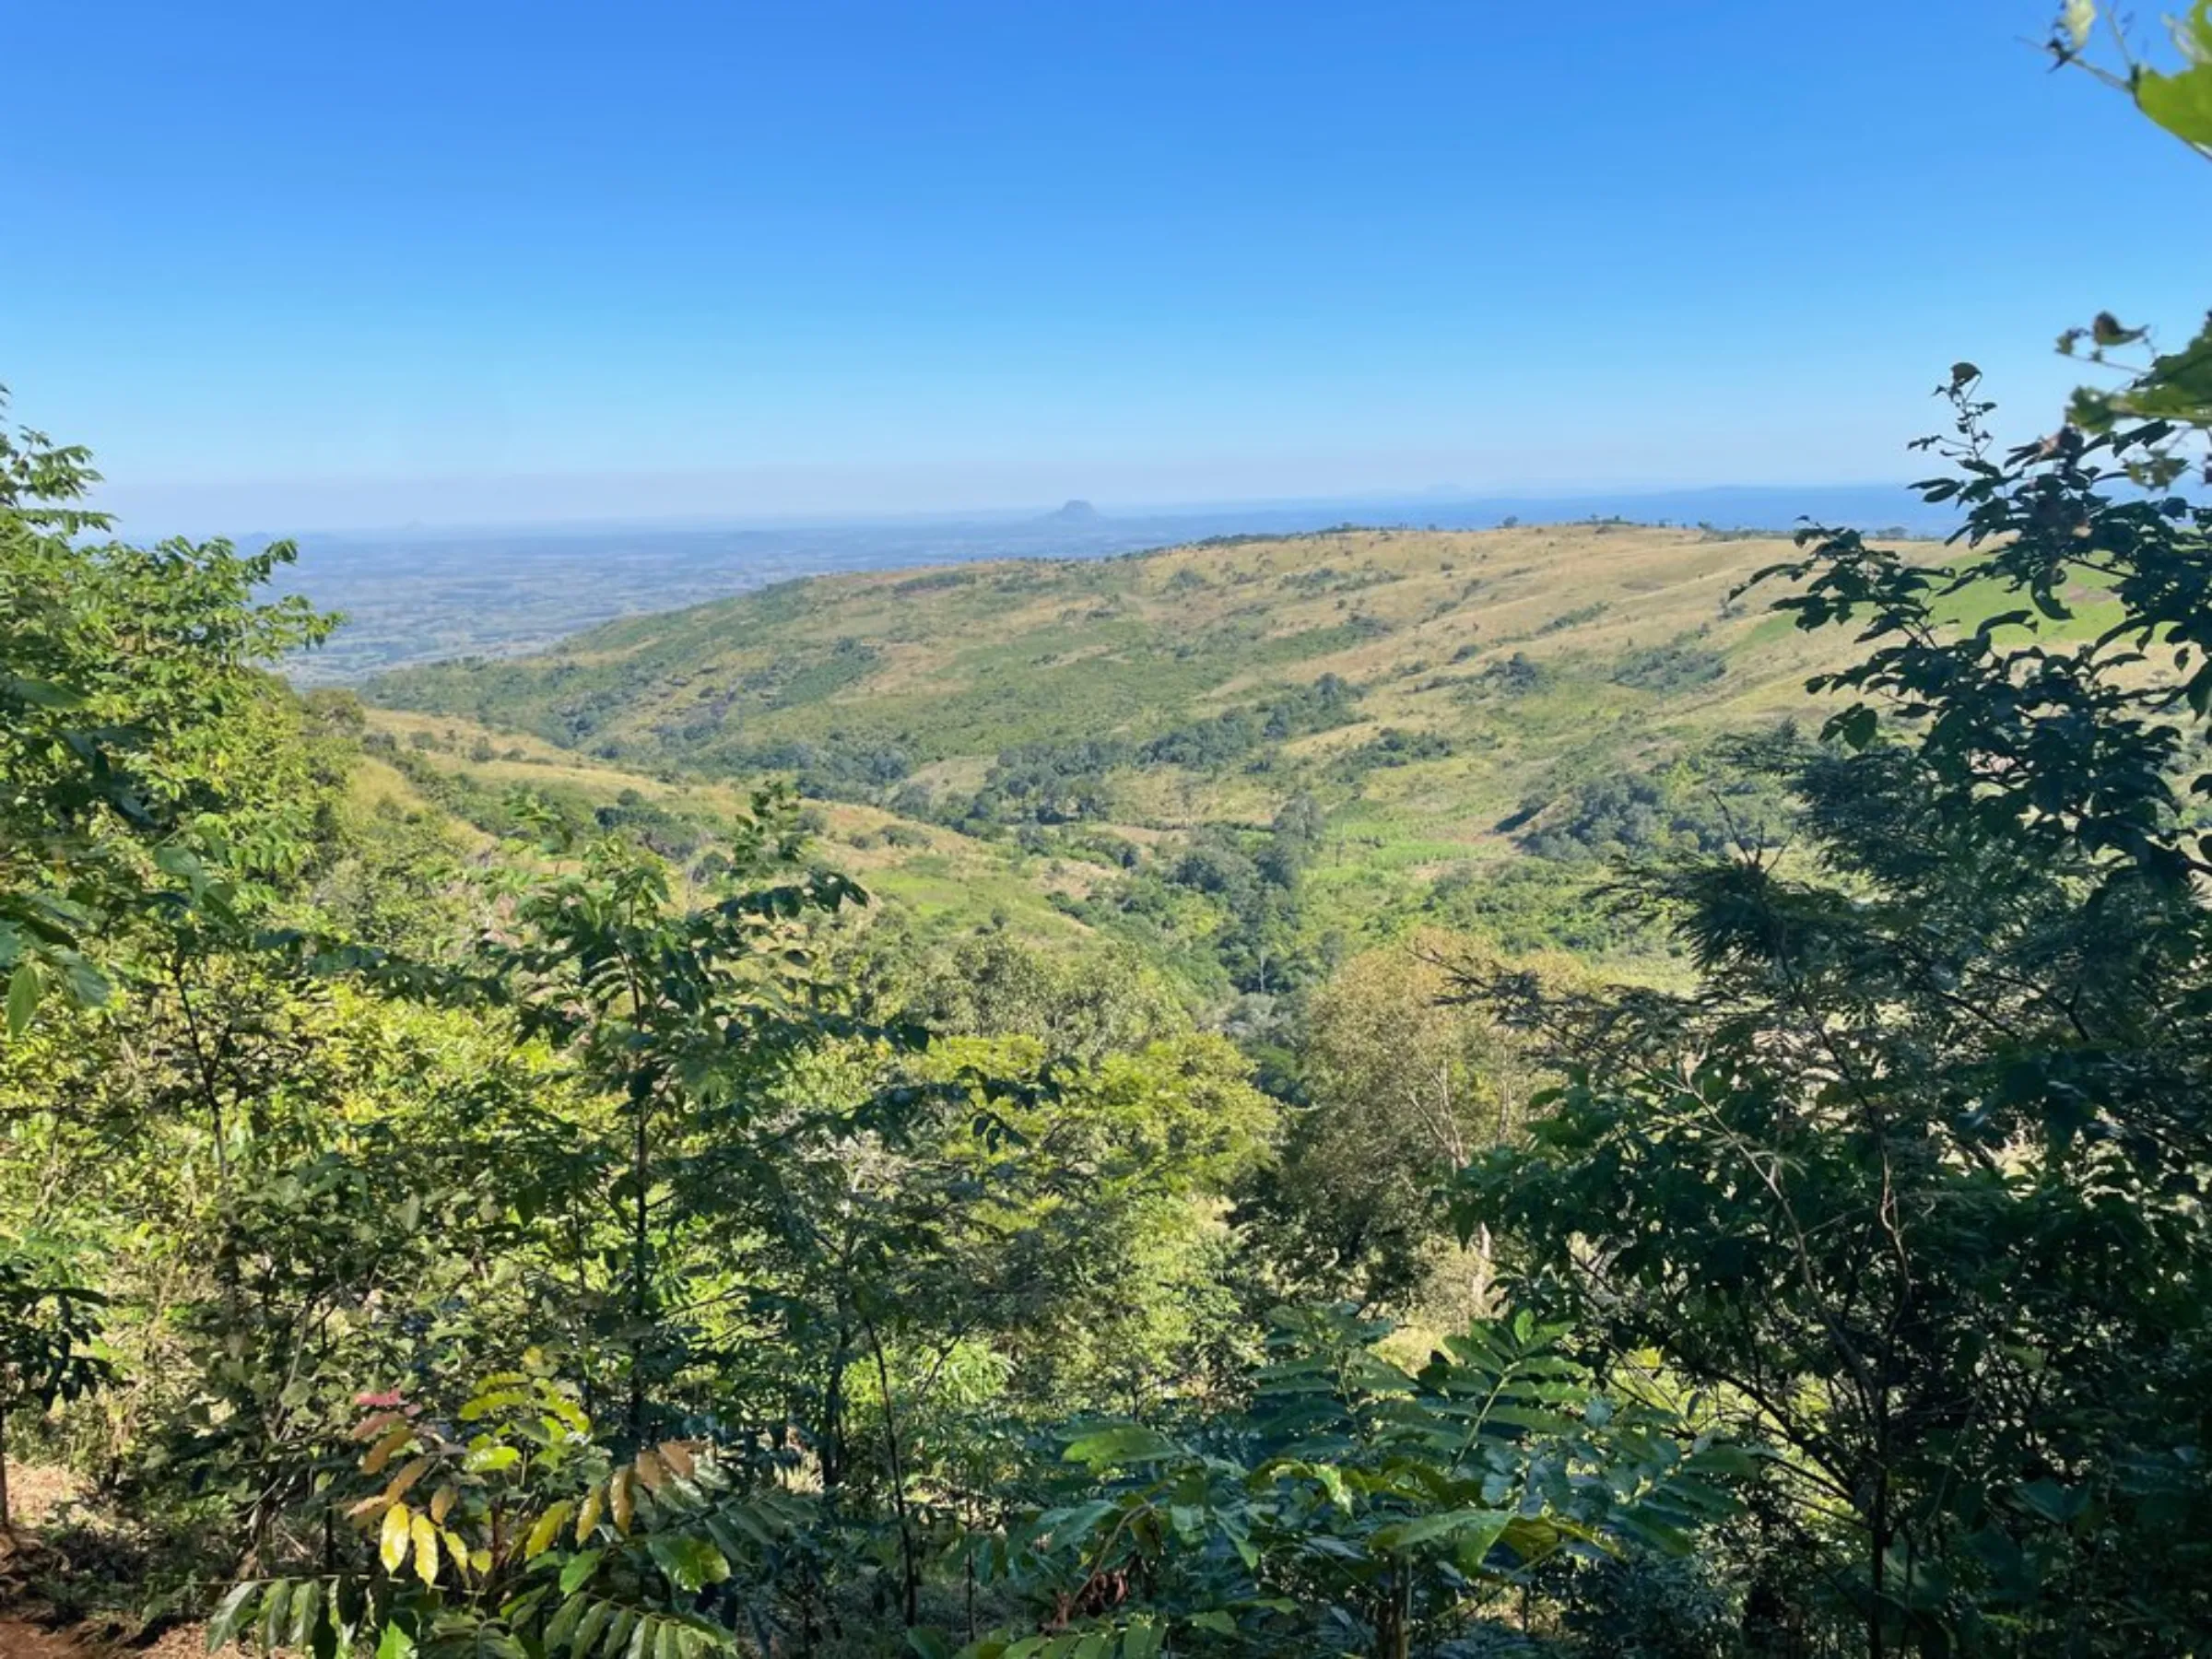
(2170, 386)
(1356, 1507)
(1238, 891)
(523, 1537)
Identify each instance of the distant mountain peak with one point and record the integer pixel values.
(1074, 513)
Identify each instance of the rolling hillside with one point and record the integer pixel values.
(1433, 702)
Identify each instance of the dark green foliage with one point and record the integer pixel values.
(1357, 1507)
(1391, 747)
(1916, 1176)
(1239, 733)
(1640, 813)
(831, 769)
(47, 1332)
(1529, 906)
(1049, 782)
(1517, 676)
(1674, 666)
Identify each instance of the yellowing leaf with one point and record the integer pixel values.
(678, 1456)
(442, 1503)
(619, 1499)
(547, 1528)
(568, 1414)
(368, 1507)
(456, 1549)
(382, 1452)
(650, 1471)
(426, 1549)
(392, 1547)
(415, 1469)
(587, 1517)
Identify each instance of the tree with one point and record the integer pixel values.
(127, 679)
(1915, 1177)
(1402, 1089)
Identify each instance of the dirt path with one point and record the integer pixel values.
(28, 1642)
(37, 1491)
(20, 1641)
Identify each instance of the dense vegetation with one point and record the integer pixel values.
(442, 1221)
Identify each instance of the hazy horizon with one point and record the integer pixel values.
(1694, 501)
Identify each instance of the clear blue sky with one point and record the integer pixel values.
(308, 266)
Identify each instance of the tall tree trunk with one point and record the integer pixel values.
(910, 1564)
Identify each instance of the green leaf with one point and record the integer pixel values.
(929, 1644)
(1855, 726)
(306, 1612)
(579, 1567)
(1465, 1526)
(596, 1619)
(44, 694)
(230, 1613)
(23, 988)
(2181, 104)
(2052, 1502)
(691, 1563)
(395, 1644)
(1122, 1444)
(561, 1628)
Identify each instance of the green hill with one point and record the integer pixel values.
(1429, 707)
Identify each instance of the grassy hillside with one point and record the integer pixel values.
(1011, 734)
(969, 660)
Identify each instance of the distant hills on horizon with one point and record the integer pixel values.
(1723, 506)
(423, 595)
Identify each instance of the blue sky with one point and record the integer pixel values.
(310, 266)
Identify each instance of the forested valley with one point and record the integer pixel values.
(1769, 1219)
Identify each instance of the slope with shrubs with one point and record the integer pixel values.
(1429, 705)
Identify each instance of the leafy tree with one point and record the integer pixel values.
(1914, 1177)
(1402, 1089)
(127, 690)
